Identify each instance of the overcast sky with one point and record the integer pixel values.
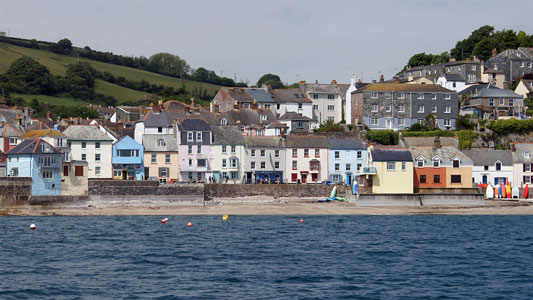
(298, 40)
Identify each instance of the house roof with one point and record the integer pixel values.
(248, 116)
(264, 142)
(429, 141)
(519, 155)
(174, 104)
(391, 155)
(85, 133)
(11, 115)
(322, 88)
(495, 93)
(10, 130)
(38, 125)
(294, 116)
(277, 124)
(340, 144)
(164, 118)
(453, 77)
(261, 95)
(475, 87)
(528, 83)
(227, 135)
(238, 94)
(42, 133)
(290, 95)
(193, 124)
(400, 87)
(493, 71)
(105, 110)
(34, 146)
(150, 143)
(445, 153)
(490, 157)
(293, 141)
(130, 109)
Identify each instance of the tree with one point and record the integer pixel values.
(430, 122)
(29, 76)
(273, 80)
(463, 49)
(63, 46)
(168, 64)
(420, 59)
(82, 72)
(201, 74)
(483, 49)
(507, 39)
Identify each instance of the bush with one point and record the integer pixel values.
(510, 126)
(447, 133)
(466, 138)
(417, 127)
(464, 123)
(383, 137)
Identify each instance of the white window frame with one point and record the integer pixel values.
(154, 158)
(434, 109)
(199, 136)
(448, 109)
(433, 96)
(420, 96)
(401, 108)
(420, 163)
(447, 96)
(331, 107)
(374, 121)
(374, 108)
(391, 166)
(388, 108)
(374, 95)
(224, 163)
(190, 136)
(420, 109)
(401, 121)
(401, 95)
(447, 122)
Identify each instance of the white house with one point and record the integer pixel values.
(491, 166)
(327, 101)
(454, 82)
(306, 159)
(292, 100)
(354, 86)
(522, 164)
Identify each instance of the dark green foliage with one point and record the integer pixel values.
(466, 138)
(272, 80)
(423, 59)
(168, 64)
(383, 137)
(418, 127)
(204, 75)
(446, 133)
(510, 126)
(464, 123)
(63, 46)
(28, 76)
(330, 126)
(463, 49)
(483, 49)
(82, 72)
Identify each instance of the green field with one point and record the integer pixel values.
(57, 64)
(51, 100)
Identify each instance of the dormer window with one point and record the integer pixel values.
(526, 154)
(190, 137)
(223, 121)
(12, 141)
(198, 136)
(263, 117)
(436, 163)
(420, 162)
(160, 143)
(456, 162)
(498, 166)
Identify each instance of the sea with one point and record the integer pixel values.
(267, 257)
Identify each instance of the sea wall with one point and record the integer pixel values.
(319, 191)
(15, 191)
(419, 199)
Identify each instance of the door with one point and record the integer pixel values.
(304, 177)
(146, 173)
(124, 174)
(388, 123)
(484, 179)
(349, 179)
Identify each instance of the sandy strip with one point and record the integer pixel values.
(298, 209)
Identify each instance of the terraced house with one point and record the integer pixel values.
(161, 157)
(327, 101)
(346, 157)
(264, 158)
(307, 159)
(228, 154)
(194, 147)
(398, 106)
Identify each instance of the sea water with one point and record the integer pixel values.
(267, 257)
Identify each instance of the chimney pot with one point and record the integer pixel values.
(381, 79)
(494, 52)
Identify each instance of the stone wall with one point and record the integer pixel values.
(419, 199)
(120, 187)
(320, 191)
(15, 191)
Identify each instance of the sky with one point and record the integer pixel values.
(244, 39)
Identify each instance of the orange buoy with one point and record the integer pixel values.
(32, 226)
(189, 224)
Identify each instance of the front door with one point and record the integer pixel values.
(124, 174)
(146, 173)
(348, 179)
(485, 181)
(388, 122)
(304, 177)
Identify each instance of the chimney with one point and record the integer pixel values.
(235, 105)
(303, 82)
(513, 148)
(266, 87)
(396, 79)
(436, 143)
(334, 81)
(373, 81)
(452, 59)
(353, 79)
(254, 105)
(494, 52)
(187, 109)
(381, 79)
(216, 107)
(316, 81)
(192, 102)
(359, 80)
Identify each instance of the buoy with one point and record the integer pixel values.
(301, 220)
(164, 221)
(189, 224)
(225, 217)
(32, 226)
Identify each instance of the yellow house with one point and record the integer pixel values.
(389, 171)
(161, 157)
(525, 88)
(74, 178)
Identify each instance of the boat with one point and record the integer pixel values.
(508, 189)
(526, 191)
(489, 193)
(516, 192)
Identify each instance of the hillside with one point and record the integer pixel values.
(57, 64)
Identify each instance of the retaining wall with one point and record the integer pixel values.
(15, 191)
(419, 199)
(320, 191)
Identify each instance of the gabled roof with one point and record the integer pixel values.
(227, 135)
(261, 95)
(277, 124)
(11, 115)
(519, 155)
(174, 104)
(391, 155)
(400, 87)
(445, 153)
(495, 93)
(322, 88)
(151, 144)
(236, 93)
(248, 116)
(130, 109)
(34, 146)
(454, 77)
(193, 125)
(85, 133)
(341, 144)
(42, 133)
(290, 95)
(528, 83)
(476, 87)
(264, 142)
(429, 141)
(490, 157)
(294, 141)
(38, 125)
(294, 116)
(10, 130)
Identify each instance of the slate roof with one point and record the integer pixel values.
(248, 116)
(150, 143)
(38, 125)
(10, 130)
(445, 153)
(490, 71)
(294, 116)
(342, 144)
(264, 142)
(227, 135)
(261, 95)
(174, 104)
(387, 87)
(429, 141)
(193, 125)
(306, 142)
(85, 133)
(238, 94)
(528, 83)
(490, 157)
(321, 88)
(360, 85)
(391, 155)
(42, 133)
(33, 146)
(277, 124)
(495, 93)
(519, 153)
(290, 95)
(454, 77)
(164, 118)
(475, 87)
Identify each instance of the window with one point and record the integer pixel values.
(391, 166)
(199, 149)
(300, 105)
(331, 107)
(337, 167)
(263, 154)
(223, 163)
(448, 96)
(359, 154)
(454, 84)
(404, 166)
(252, 152)
(128, 153)
(167, 158)
(374, 95)
(388, 108)
(97, 145)
(201, 163)
(154, 158)
(436, 163)
(223, 121)
(267, 105)
(190, 162)
(434, 109)
(456, 178)
(276, 165)
(190, 149)
(433, 96)
(190, 137)
(502, 101)
(374, 121)
(299, 125)
(159, 129)
(527, 168)
(264, 117)
(511, 102)
(447, 109)
(348, 167)
(358, 167)
(498, 166)
(387, 95)
(12, 141)
(456, 163)
(447, 122)
(252, 165)
(420, 121)
(473, 68)
(315, 96)
(491, 102)
(83, 145)
(294, 153)
(421, 109)
(97, 171)
(401, 108)
(160, 143)
(420, 163)
(526, 154)
(306, 152)
(317, 152)
(59, 142)
(163, 172)
(436, 178)
(84, 156)
(401, 95)
(337, 154)
(78, 171)
(48, 174)
(97, 157)
(401, 122)
(420, 96)
(233, 148)
(198, 136)
(263, 165)
(276, 153)
(374, 108)
(315, 107)
(65, 170)
(330, 118)
(331, 96)
(527, 179)
(294, 164)
(422, 178)
(223, 148)
(485, 168)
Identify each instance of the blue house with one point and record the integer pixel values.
(128, 160)
(39, 160)
(346, 157)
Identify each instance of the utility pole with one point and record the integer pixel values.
(235, 75)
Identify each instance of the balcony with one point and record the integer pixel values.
(368, 171)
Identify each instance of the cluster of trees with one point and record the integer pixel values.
(480, 44)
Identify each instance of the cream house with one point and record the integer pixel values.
(388, 171)
(88, 143)
(306, 159)
(525, 88)
(160, 157)
(228, 154)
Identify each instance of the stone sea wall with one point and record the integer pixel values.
(15, 191)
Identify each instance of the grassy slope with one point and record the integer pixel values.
(51, 100)
(57, 64)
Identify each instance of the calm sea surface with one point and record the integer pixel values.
(267, 257)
